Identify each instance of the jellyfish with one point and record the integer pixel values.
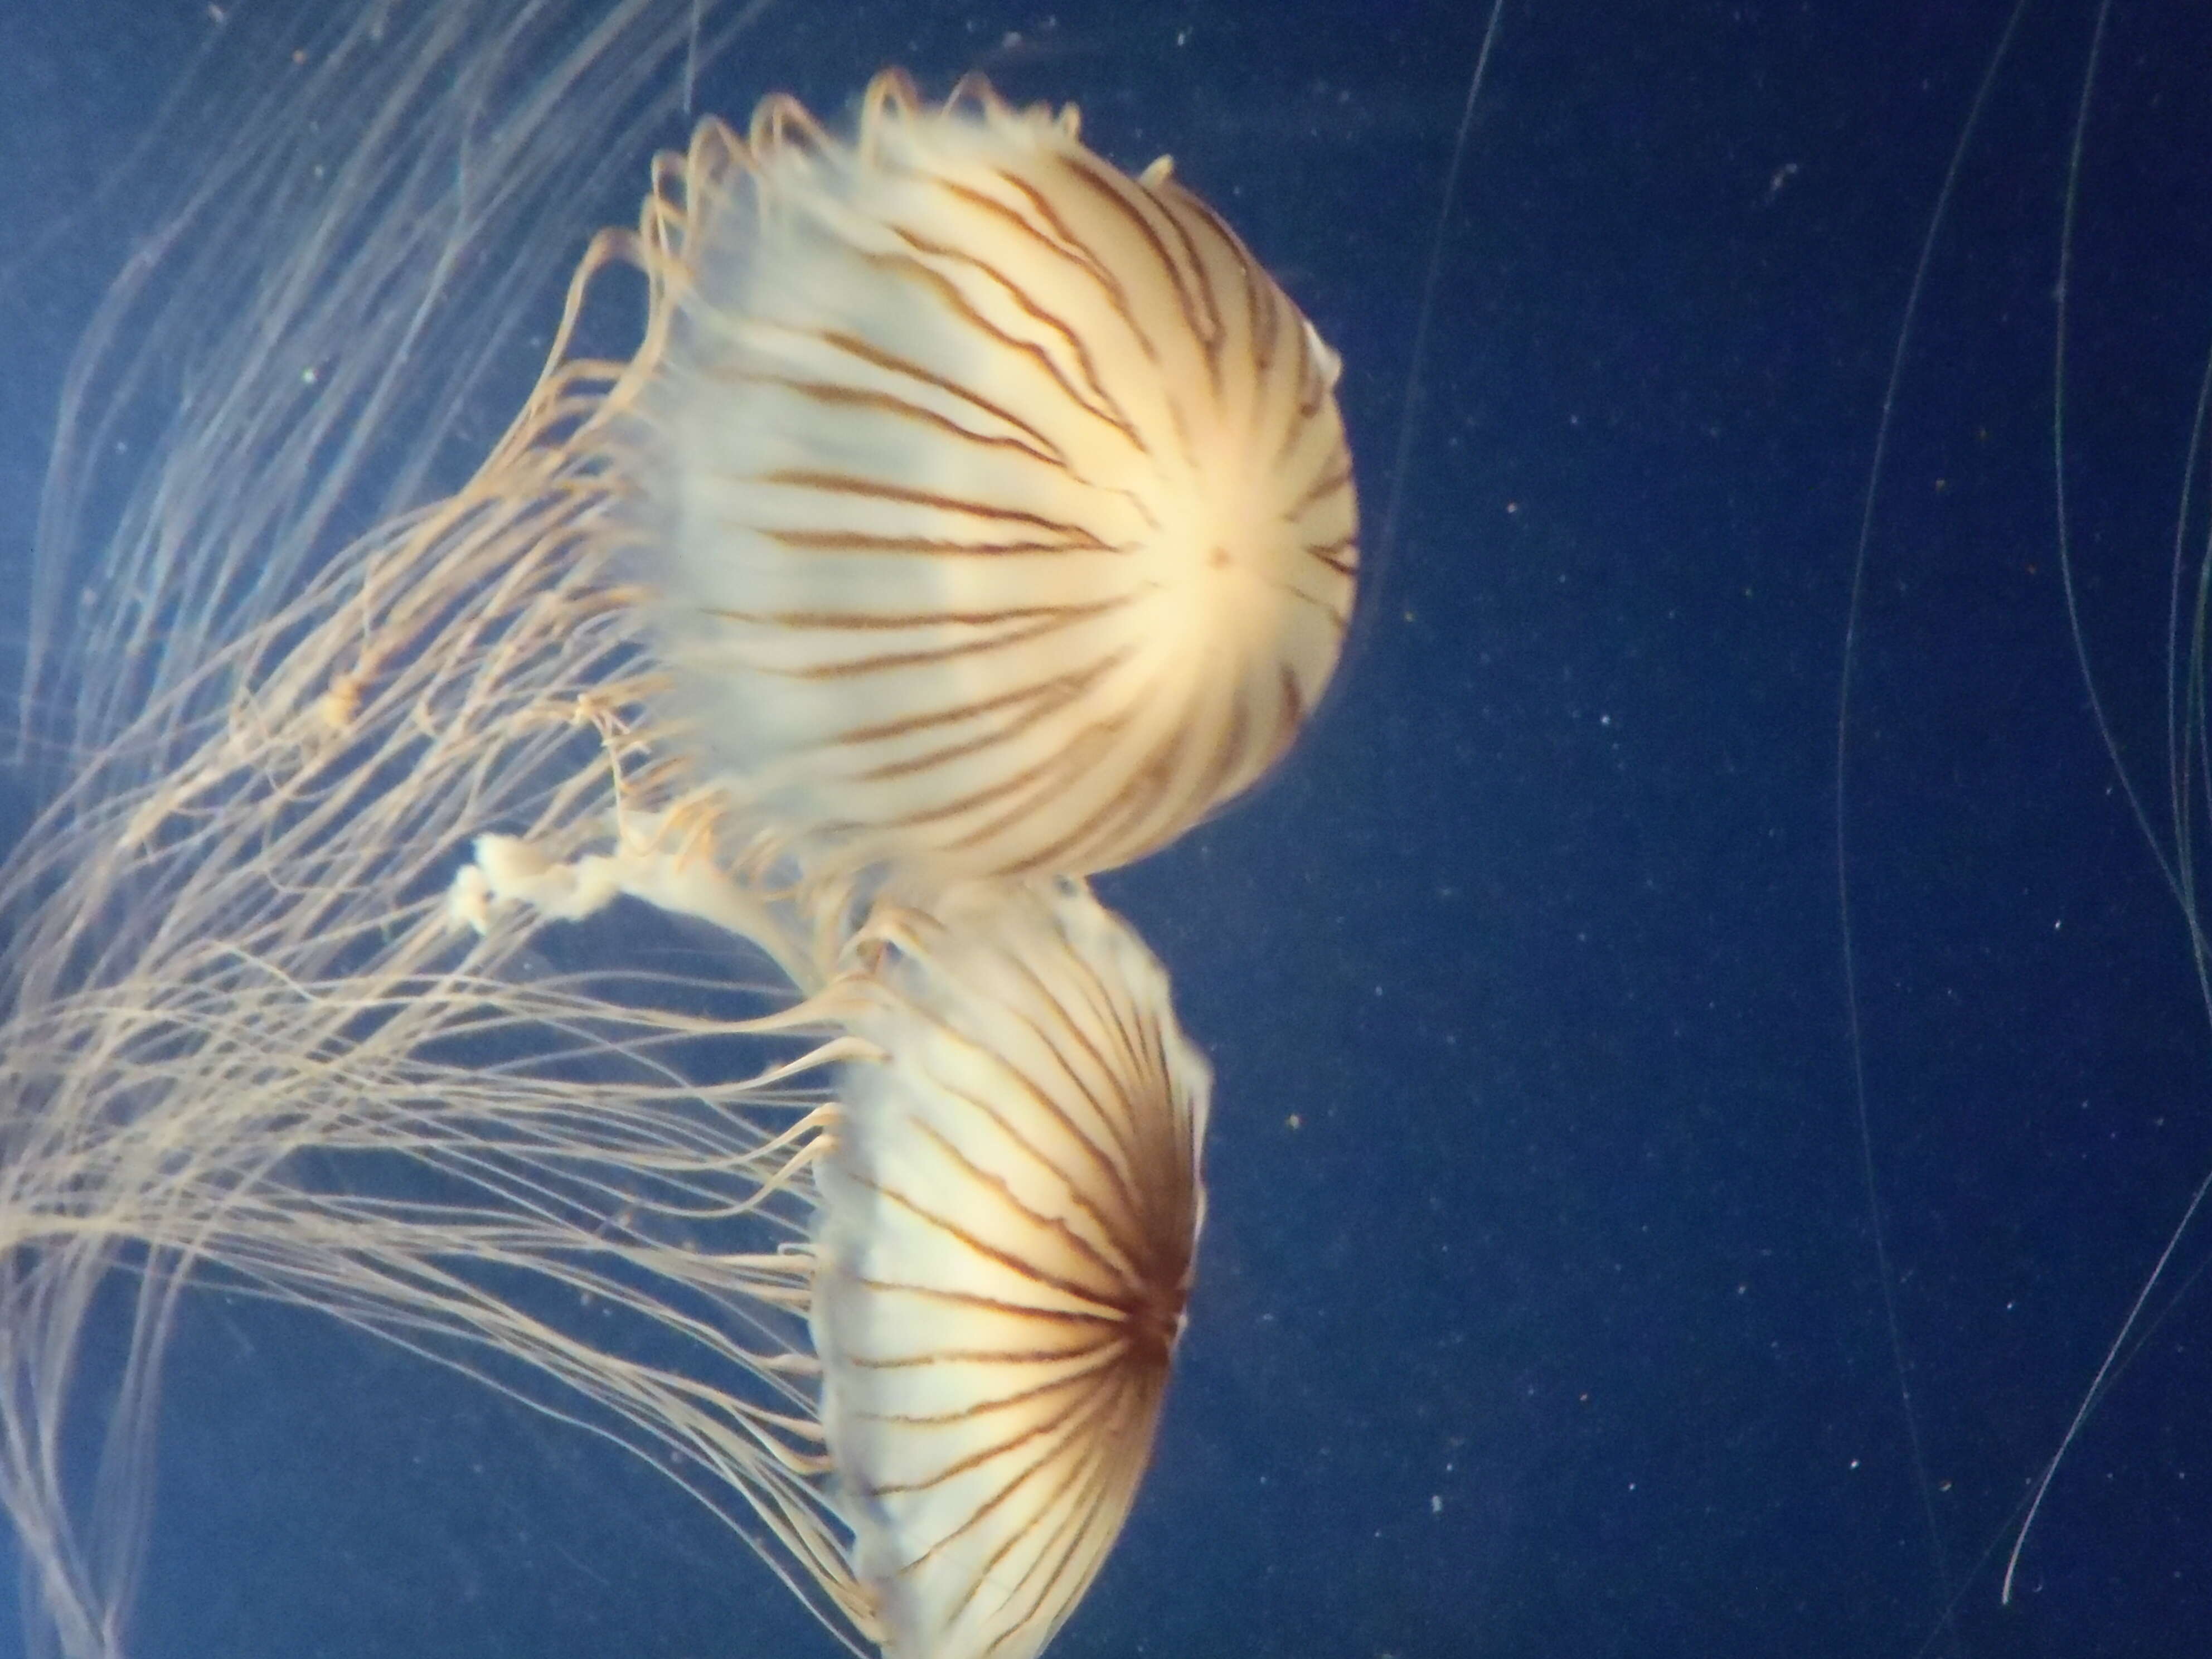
(1000, 500)
(894, 1208)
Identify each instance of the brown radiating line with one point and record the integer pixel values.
(1228, 748)
(1111, 191)
(1133, 812)
(1041, 708)
(1259, 287)
(1117, 1159)
(1098, 1324)
(826, 393)
(1076, 1490)
(982, 1356)
(1140, 789)
(1083, 254)
(1074, 1427)
(1137, 1054)
(1270, 303)
(1027, 792)
(1085, 360)
(1076, 1494)
(861, 621)
(1297, 426)
(1324, 606)
(1066, 247)
(1313, 384)
(1115, 1111)
(1112, 1313)
(1178, 1151)
(1130, 202)
(875, 665)
(1198, 205)
(1135, 499)
(1259, 311)
(1127, 816)
(1330, 481)
(1294, 699)
(1102, 1004)
(1121, 1178)
(1214, 339)
(1092, 1336)
(957, 303)
(1049, 767)
(854, 346)
(1063, 243)
(1075, 684)
(1101, 404)
(1104, 1489)
(1097, 739)
(1090, 1364)
(862, 541)
(986, 1454)
(1341, 556)
(840, 483)
(1118, 1274)
(1141, 1058)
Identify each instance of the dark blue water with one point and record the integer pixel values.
(1540, 1310)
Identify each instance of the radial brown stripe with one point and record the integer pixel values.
(854, 346)
(1087, 257)
(1082, 1414)
(1061, 689)
(856, 397)
(1092, 1363)
(997, 737)
(841, 483)
(1099, 403)
(866, 621)
(1063, 244)
(1103, 1007)
(861, 541)
(957, 303)
(854, 666)
(1053, 766)
(1118, 1163)
(1118, 1172)
(1213, 336)
(1121, 1174)
(1332, 480)
(1078, 1511)
(1112, 193)
(1118, 1272)
(1089, 1323)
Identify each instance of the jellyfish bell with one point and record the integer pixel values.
(1000, 500)
(1008, 1224)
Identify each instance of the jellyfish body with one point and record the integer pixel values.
(1010, 1219)
(1000, 500)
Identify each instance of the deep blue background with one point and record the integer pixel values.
(1554, 1327)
